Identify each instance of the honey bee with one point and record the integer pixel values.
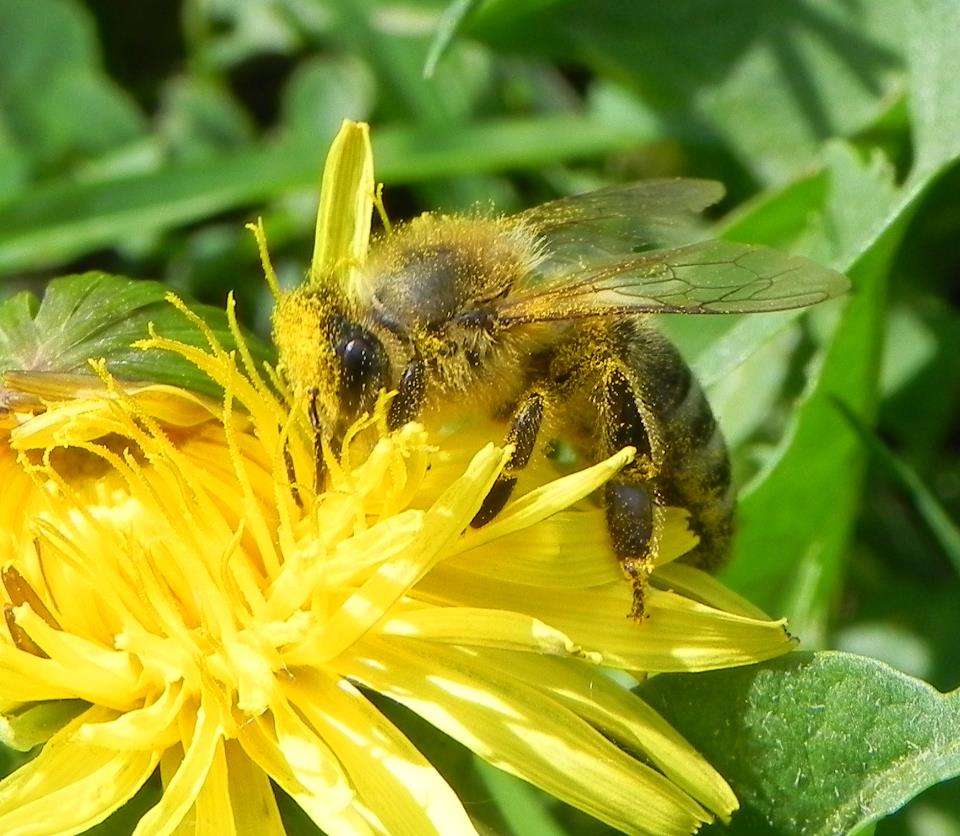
(542, 317)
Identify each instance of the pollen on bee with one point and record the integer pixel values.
(476, 251)
(298, 326)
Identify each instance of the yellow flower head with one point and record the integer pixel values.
(172, 569)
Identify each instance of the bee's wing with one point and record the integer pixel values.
(709, 277)
(621, 219)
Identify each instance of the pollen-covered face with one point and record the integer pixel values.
(340, 364)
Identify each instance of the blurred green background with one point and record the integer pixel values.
(139, 138)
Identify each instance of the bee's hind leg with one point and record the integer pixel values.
(630, 499)
(523, 432)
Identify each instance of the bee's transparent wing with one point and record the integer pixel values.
(620, 220)
(709, 277)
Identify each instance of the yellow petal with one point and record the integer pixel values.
(697, 584)
(212, 813)
(568, 549)
(443, 524)
(69, 787)
(346, 207)
(474, 627)
(540, 503)
(677, 634)
(623, 716)
(302, 764)
(251, 795)
(408, 794)
(180, 793)
(153, 726)
(103, 676)
(71, 422)
(525, 732)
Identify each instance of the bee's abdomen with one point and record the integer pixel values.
(694, 471)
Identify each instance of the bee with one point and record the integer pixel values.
(542, 317)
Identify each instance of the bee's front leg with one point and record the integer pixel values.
(630, 497)
(523, 432)
(411, 391)
(313, 413)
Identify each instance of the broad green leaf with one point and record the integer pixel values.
(54, 98)
(794, 525)
(934, 83)
(95, 315)
(65, 219)
(14, 164)
(745, 398)
(790, 554)
(922, 365)
(770, 80)
(816, 744)
(911, 347)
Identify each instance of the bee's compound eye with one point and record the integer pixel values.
(357, 356)
(363, 364)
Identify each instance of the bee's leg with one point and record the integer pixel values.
(292, 476)
(314, 416)
(523, 432)
(408, 401)
(629, 498)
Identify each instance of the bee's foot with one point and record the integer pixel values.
(637, 571)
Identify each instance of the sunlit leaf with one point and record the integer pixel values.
(815, 743)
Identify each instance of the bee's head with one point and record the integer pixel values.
(325, 352)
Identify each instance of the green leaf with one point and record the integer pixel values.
(523, 807)
(95, 315)
(322, 92)
(771, 81)
(54, 98)
(451, 21)
(791, 552)
(926, 503)
(934, 83)
(65, 219)
(815, 743)
(398, 63)
(200, 120)
(794, 525)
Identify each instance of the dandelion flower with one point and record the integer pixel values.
(182, 593)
